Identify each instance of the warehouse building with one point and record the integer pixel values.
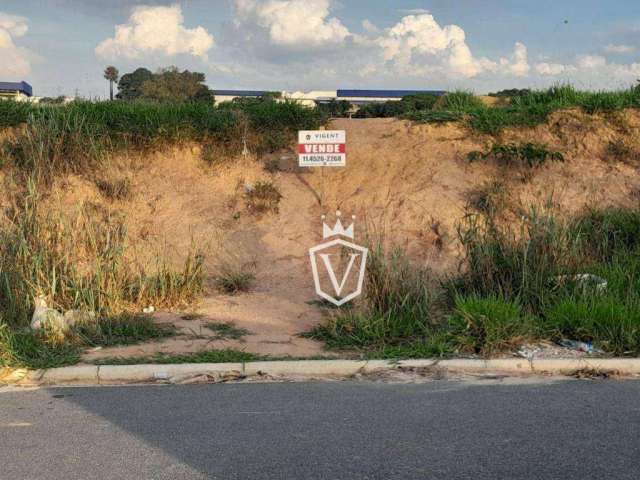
(315, 97)
(19, 91)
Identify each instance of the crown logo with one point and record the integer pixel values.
(338, 228)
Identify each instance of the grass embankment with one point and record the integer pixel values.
(523, 110)
(539, 280)
(78, 260)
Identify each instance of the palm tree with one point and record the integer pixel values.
(111, 73)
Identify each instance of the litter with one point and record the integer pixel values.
(585, 279)
(586, 347)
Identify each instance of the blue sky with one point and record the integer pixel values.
(62, 46)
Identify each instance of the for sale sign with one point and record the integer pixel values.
(322, 148)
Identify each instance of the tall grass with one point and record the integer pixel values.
(527, 109)
(396, 306)
(79, 135)
(516, 262)
(80, 261)
(541, 267)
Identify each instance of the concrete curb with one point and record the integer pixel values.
(213, 372)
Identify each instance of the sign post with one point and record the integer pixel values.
(322, 148)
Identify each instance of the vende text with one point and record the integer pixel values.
(322, 148)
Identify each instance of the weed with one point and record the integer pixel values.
(233, 277)
(114, 186)
(609, 323)
(28, 349)
(604, 232)
(458, 101)
(191, 316)
(81, 135)
(489, 198)
(227, 331)
(528, 155)
(262, 197)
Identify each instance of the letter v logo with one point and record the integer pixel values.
(332, 275)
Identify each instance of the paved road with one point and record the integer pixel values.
(441, 430)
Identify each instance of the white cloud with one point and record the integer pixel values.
(156, 30)
(552, 69)
(294, 24)
(415, 11)
(619, 48)
(591, 61)
(519, 65)
(419, 42)
(419, 46)
(370, 27)
(15, 60)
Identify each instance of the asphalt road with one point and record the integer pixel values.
(441, 430)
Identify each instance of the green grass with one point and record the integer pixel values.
(515, 262)
(489, 324)
(525, 109)
(123, 329)
(604, 232)
(395, 308)
(227, 330)
(518, 283)
(79, 136)
(23, 348)
(206, 356)
(528, 155)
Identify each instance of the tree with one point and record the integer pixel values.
(111, 73)
(172, 85)
(130, 84)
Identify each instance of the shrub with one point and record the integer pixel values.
(489, 324)
(434, 116)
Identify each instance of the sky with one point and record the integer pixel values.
(61, 47)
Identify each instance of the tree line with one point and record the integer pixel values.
(165, 85)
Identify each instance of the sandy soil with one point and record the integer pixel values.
(409, 182)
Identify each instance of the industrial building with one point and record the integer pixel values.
(315, 97)
(19, 91)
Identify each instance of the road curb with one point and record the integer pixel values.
(309, 369)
